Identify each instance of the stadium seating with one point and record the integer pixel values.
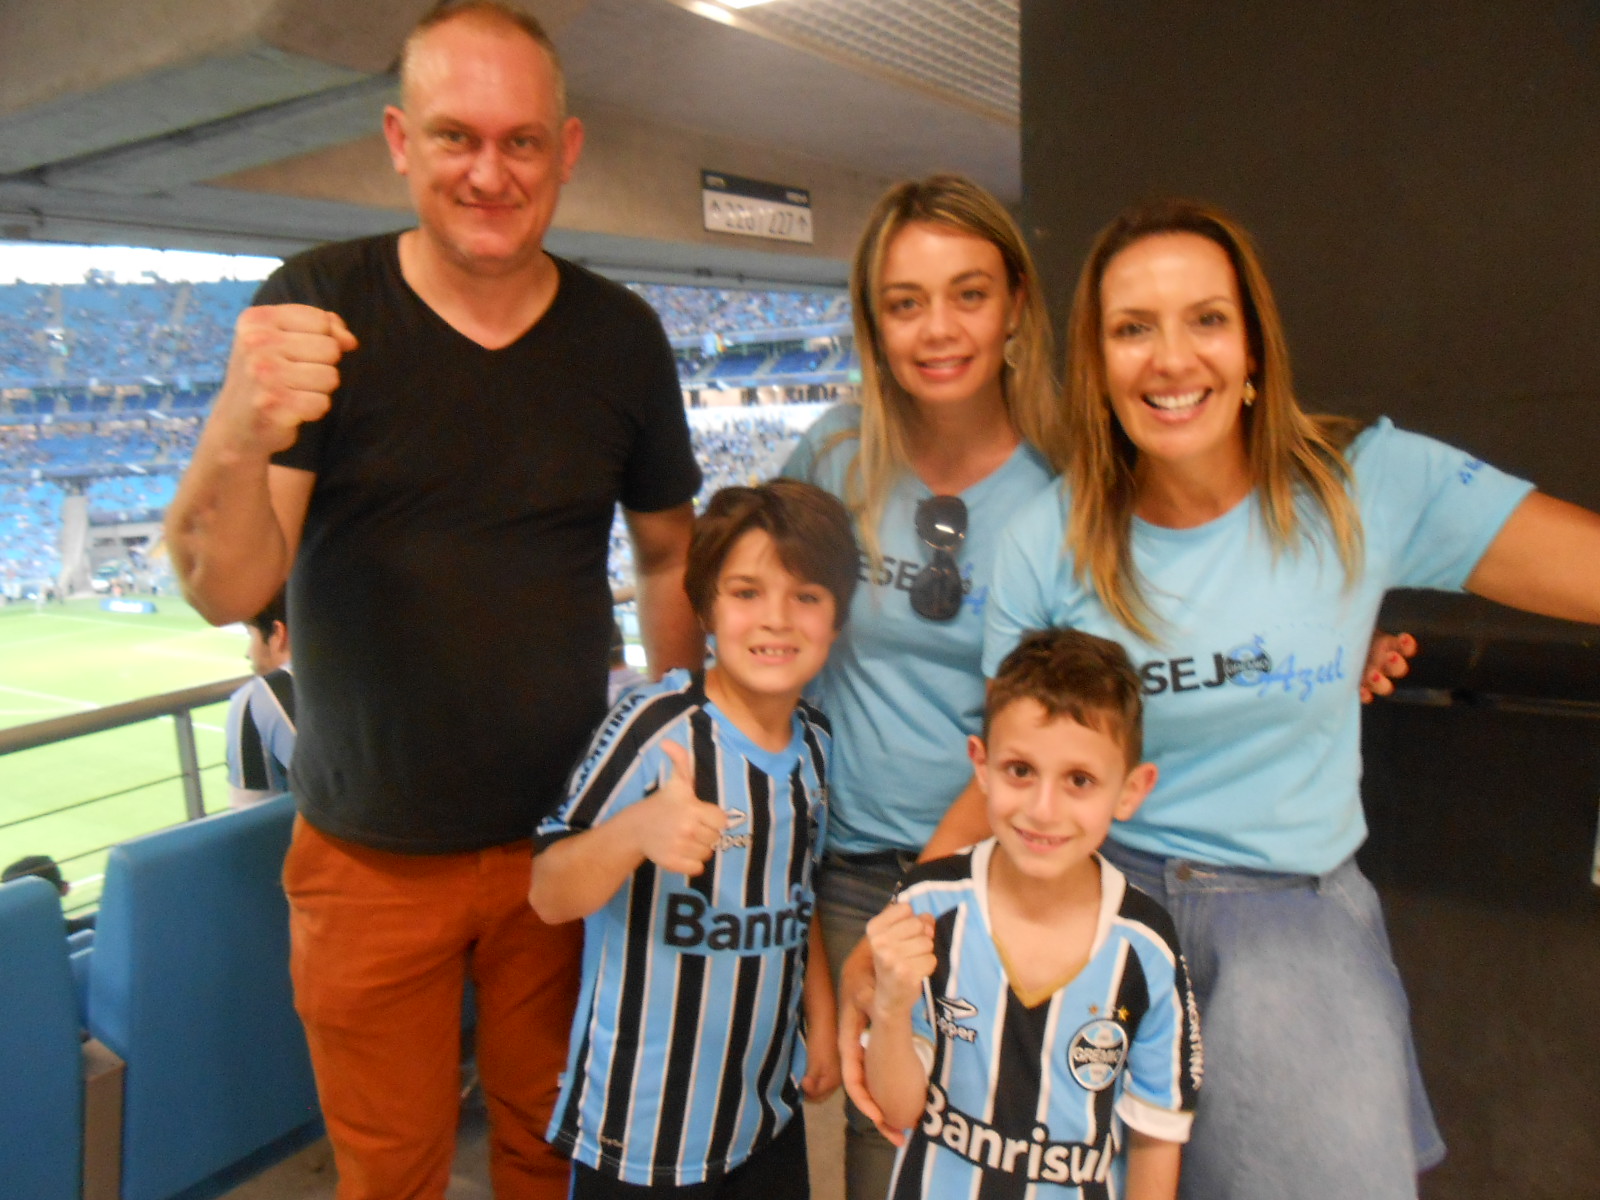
(739, 366)
(41, 1102)
(189, 984)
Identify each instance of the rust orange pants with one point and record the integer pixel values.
(381, 945)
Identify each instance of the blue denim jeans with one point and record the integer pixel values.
(1311, 1086)
(849, 894)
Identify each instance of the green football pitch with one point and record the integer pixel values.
(75, 799)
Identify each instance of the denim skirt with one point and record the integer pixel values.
(1311, 1087)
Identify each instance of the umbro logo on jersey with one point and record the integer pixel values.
(731, 840)
(953, 1009)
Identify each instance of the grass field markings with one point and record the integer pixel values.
(163, 646)
(122, 630)
(97, 662)
(18, 643)
(103, 622)
(193, 655)
(199, 725)
(84, 705)
(87, 801)
(220, 636)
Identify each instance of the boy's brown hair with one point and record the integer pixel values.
(809, 528)
(274, 614)
(1073, 674)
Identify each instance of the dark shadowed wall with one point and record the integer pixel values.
(1424, 180)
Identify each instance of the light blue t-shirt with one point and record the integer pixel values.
(1252, 706)
(903, 692)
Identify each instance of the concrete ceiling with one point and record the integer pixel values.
(163, 123)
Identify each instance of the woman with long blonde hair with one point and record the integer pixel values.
(1239, 549)
(957, 427)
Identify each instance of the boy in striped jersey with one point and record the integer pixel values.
(260, 729)
(688, 843)
(1033, 1018)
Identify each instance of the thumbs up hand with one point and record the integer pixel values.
(676, 830)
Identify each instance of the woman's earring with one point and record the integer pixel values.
(1249, 393)
(1012, 352)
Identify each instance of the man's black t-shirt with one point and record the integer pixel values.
(450, 604)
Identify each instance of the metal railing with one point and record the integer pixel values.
(177, 705)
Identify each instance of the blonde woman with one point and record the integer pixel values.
(1239, 549)
(958, 426)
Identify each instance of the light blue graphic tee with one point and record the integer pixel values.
(1252, 707)
(903, 692)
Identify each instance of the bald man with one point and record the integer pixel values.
(432, 429)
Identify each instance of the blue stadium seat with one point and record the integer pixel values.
(80, 949)
(41, 1100)
(189, 983)
(79, 960)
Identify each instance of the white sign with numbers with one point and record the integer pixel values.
(751, 208)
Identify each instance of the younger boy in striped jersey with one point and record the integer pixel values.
(688, 842)
(1033, 1011)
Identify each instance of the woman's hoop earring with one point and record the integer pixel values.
(1012, 352)
(1249, 393)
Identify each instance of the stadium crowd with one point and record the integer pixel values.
(104, 332)
(696, 311)
(30, 524)
(109, 332)
(114, 378)
(154, 452)
(744, 451)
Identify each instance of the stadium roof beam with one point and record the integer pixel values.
(232, 143)
(80, 77)
(238, 124)
(194, 218)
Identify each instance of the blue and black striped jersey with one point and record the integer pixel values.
(261, 734)
(1031, 1101)
(685, 1045)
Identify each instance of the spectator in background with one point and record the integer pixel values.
(622, 676)
(48, 870)
(449, 595)
(261, 713)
